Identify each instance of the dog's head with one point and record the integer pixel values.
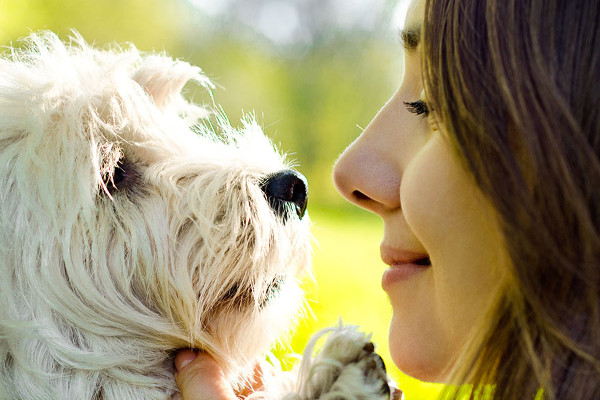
(131, 225)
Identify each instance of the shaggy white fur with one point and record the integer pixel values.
(131, 226)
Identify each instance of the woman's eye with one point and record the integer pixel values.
(418, 107)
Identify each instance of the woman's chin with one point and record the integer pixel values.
(418, 356)
(419, 370)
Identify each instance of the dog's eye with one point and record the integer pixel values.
(118, 175)
(122, 177)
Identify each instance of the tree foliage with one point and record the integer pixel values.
(312, 98)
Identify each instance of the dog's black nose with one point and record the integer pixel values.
(284, 189)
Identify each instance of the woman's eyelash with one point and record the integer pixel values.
(418, 107)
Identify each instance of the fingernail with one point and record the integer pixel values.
(183, 358)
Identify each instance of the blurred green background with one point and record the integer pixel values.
(313, 71)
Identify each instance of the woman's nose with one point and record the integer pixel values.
(368, 173)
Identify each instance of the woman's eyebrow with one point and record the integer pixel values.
(410, 37)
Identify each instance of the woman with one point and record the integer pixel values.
(485, 168)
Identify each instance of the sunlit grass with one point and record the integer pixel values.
(347, 271)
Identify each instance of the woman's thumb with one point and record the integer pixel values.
(199, 377)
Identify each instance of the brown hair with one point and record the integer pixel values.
(516, 84)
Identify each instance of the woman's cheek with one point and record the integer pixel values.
(458, 228)
(426, 194)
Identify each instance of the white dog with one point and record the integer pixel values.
(130, 227)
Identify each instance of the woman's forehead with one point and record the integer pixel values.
(414, 15)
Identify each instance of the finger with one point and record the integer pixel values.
(255, 384)
(199, 377)
(183, 358)
(264, 373)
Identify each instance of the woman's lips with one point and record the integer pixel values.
(403, 264)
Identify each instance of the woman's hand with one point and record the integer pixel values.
(199, 377)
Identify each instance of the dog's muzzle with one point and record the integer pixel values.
(284, 190)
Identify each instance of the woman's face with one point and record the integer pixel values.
(441, 238)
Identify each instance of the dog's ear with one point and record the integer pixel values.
(163, 78)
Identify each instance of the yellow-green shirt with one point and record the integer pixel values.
(414, 389)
